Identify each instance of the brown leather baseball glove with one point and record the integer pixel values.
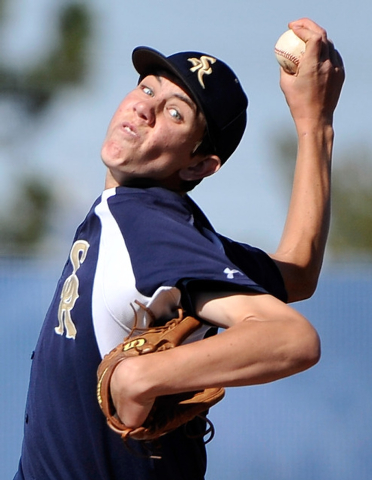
(168, 412)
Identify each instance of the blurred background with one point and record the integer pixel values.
(64, 67)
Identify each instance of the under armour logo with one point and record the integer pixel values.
(202, 66)
(230, 273)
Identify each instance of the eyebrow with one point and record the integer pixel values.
(181, 97)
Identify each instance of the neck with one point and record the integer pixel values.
(111, 182)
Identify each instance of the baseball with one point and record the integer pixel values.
(288, 51)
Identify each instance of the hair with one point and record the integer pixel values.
(204, 148)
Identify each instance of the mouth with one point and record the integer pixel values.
(129, 129)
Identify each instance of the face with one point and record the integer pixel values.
(152, 135)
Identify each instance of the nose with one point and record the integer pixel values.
(146, 111)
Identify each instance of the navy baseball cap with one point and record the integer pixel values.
(212, 85)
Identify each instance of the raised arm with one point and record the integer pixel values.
(312, 95)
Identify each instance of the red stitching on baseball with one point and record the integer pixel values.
(288, 56)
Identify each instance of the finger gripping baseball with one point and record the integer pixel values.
(168, 412)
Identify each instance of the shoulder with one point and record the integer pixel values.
(156, 202)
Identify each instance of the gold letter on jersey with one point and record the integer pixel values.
(70, 290)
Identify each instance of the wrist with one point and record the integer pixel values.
(130, 379)
(322, 127)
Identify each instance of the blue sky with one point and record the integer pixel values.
(246, 199)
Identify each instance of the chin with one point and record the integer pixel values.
(111, 154)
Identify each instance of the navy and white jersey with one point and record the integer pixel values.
(150, 246)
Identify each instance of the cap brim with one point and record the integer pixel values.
(147, 60)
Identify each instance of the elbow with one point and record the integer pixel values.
(312, 354)
(300, 279)
(307, 289)
(307, 350)
(302, 288)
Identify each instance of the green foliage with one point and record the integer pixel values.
(25, 223)
(285, 147)
(2, 3)
(352, 203)
(351, 225)
(66, 64)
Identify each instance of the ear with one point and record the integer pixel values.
(202, 166)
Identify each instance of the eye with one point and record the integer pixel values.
(174, 113)
(147, 90)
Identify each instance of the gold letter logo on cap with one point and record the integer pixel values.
(202, 66)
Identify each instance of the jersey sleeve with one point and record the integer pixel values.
(167, 248)
(262, 272)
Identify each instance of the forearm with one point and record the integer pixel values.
(312, 95)
(272, 342)
(250, 353)
(301, 249)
